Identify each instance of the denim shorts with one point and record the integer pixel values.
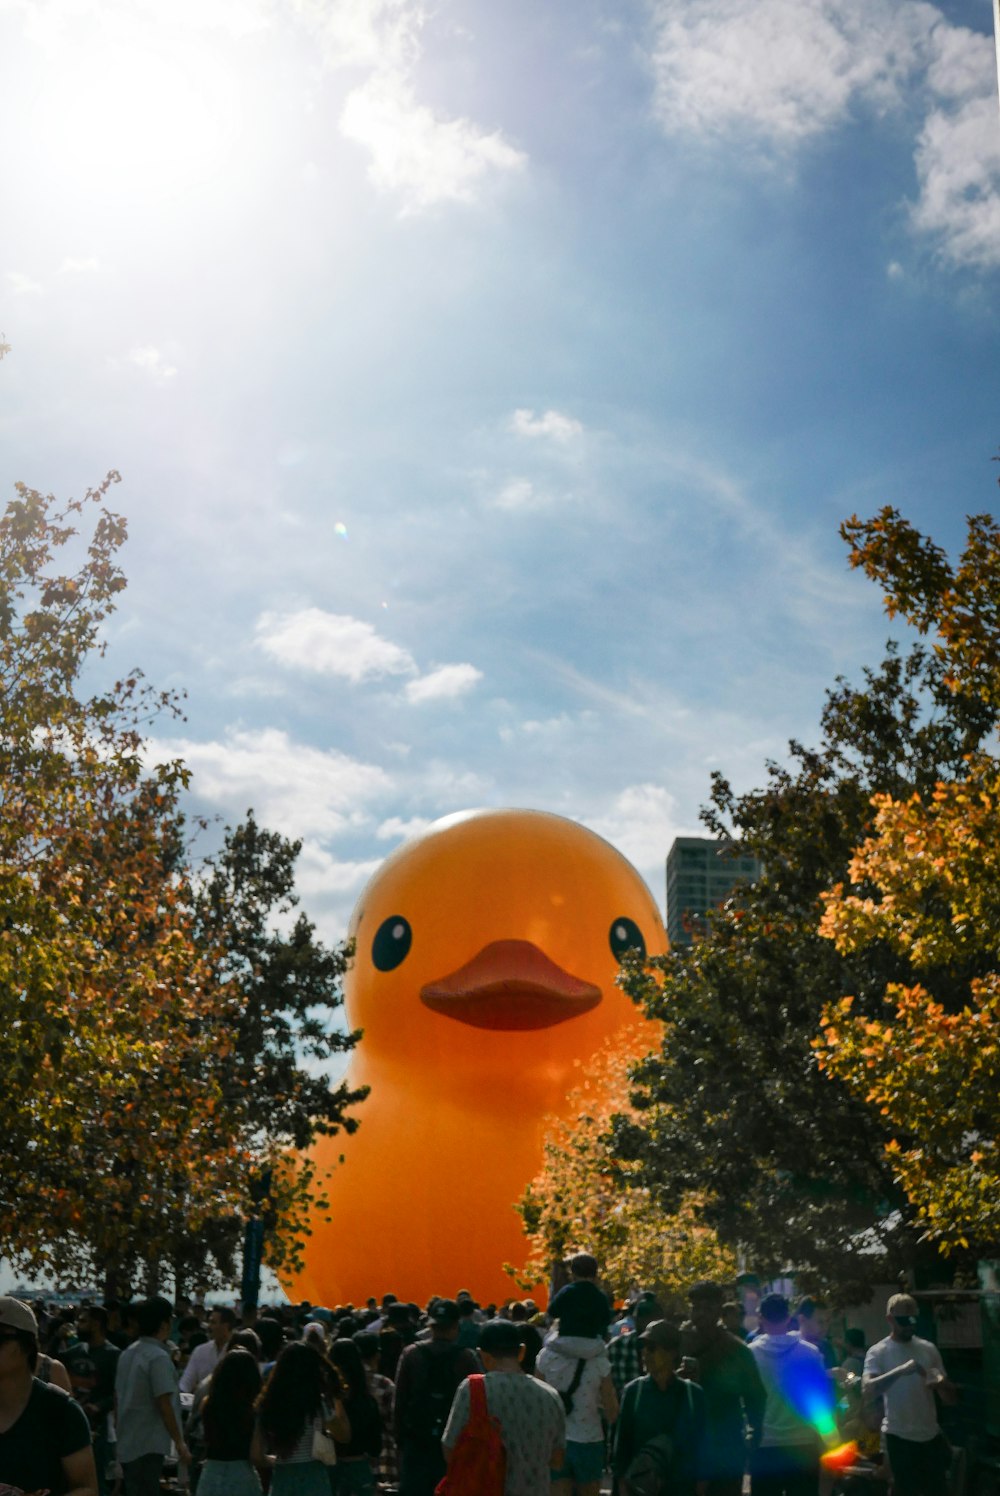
(583, 1462)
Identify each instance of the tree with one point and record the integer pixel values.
(120, 1007)
(584, 1198)
(790, 1161)
(925, 884)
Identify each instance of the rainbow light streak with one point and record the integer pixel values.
(808, 1390)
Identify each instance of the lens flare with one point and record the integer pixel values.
(340, 529)
(808, 1390)
(840, 1457)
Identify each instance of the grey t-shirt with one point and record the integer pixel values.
(145, 1372)
(532, 1423)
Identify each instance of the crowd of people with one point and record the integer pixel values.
(98, 1400)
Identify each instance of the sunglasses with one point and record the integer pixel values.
(905, 1319)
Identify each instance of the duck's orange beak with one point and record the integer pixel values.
(510, 984)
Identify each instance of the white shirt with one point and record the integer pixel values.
(910, 1404)
(202, 1363)
(557, 1363)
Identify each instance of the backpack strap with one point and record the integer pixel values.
(478, 1409)
(570, 1393)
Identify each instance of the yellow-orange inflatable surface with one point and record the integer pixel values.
(486, 955)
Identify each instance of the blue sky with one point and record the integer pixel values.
(489, 381)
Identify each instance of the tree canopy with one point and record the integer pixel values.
(794, 1164)
(585, 1198)
(154, 1030)
(925, 885)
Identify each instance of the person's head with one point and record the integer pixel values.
(221, 1324)
(732, 1317)
(500, 1344)
(854, 1341)
(347, 1359)
(398, 1316)
(443, 1315)
(661, 1349)
(774, 1314)
(153, 1317)
(531, 1343)
(387, 1299)
(901, 1312)
(583, 1267)
(705, 1302)
(518, 1313)
(232, 1392)
(314, 1334)
(645, 1310)
(466, 1308)
(18, 1339)
(244, 1340)
(368, 1348)
(813, 1315)
(294, 1394)
(271, 1336)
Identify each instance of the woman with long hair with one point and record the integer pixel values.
(303, 1398)
(227, 1423)
(354, 1472)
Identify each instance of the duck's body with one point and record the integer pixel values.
(483, 977)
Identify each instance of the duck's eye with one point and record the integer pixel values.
(392, 942)
(625, 935)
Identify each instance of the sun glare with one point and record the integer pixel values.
(148, 113)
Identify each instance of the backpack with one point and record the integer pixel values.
(478, 1464)
(649, 1472)
(428, 1408)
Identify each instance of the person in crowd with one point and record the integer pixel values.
(786, 1462)
(532, 1341)
(147, 1404)
(354, 1473)
(384, 1393)
(908, 1374)
(228, 1426)
(577, 1367)
(581, 1307)
(732, 1319)
(468, 1328)
(662, 1419)
(302, 1398)
(44, 1435)
(529, 1412)
(625, 1350)
(271, 1334)
(426, 1380)
(203, 1359)
(813, 1315)
(853, 1360)
(734, 1393)
(92, 1362)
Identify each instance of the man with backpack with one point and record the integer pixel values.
(521, 1432)
(428, 1374)
(660, 1433)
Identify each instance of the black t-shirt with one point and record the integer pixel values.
(32, 1450)
(581, 1309)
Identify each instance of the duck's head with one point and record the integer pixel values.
(508, 921)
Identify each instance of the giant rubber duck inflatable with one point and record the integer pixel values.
(486, 952)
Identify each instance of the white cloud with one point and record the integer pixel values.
(772, 75)
(958, 152)
(152, 362)
(71, 266)
(443, 684)
(517, 493)
(331, 644)
(553, 426)
(292, 788)
(396, 828)
(424, 159)
(23, 285)
(782, 69)
(641, 822)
